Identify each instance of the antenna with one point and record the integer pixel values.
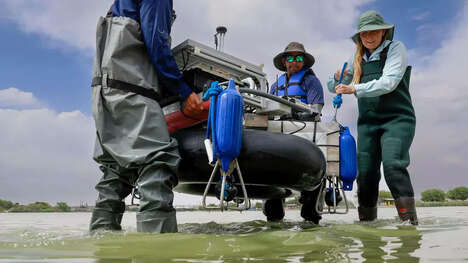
(219, 37)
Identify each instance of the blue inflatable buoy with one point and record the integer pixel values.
(228, 123)
(348, 159)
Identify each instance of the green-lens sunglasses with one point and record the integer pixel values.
(299, 58)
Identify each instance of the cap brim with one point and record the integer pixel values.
(277, 61)
(390, 31)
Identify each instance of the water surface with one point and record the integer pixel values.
(442, 236)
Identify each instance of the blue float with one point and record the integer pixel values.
(348, 160)
(228, 123)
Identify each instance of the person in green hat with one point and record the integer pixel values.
(378, 75)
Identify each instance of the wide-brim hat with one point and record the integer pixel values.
(371, 20)
(309, 60)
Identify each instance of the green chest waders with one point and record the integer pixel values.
(386, 127)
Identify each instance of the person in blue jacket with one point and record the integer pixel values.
(300, 83)
(379, 76)
(133, 75)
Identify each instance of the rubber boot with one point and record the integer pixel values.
(105, 220)
(367, 213)
(156, 214)
(112, 188)
(308, 210)
(273, 209)
(157, 222)
(406, 208)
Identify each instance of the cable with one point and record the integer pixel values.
(277, 99)
(300, 129)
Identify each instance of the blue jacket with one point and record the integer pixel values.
(312, 85)
(155, 18)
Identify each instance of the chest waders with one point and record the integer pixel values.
(386, 126)
(133, 145)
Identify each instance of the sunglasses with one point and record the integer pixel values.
(299, 58)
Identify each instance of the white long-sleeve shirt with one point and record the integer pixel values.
(393, 71)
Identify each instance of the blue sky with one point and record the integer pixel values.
(58, 76)
(419, 24)
(46, 62)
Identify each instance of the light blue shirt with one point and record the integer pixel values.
(393, 71)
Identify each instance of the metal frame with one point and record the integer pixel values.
(191, 54)
(222, 204)
(335, 183)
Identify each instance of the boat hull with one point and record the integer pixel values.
(273, 165)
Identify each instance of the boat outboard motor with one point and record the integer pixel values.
(348, 160)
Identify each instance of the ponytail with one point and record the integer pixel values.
(357, 61)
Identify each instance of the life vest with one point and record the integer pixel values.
(292, 88)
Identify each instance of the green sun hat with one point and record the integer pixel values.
(371, 20)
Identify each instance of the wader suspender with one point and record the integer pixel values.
(286, 85)
(383, 56)
(124, 86)
(151, 94)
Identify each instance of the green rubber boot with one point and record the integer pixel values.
(406, 208)
(367, 213)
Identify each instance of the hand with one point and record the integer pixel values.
(345, 89)
(337, 74)
(193, 104)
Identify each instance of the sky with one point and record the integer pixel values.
(46, 51)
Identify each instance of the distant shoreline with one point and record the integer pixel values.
(135, 209)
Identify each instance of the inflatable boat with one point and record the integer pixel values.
(273, 164)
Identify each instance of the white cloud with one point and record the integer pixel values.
(440, 95)
(46, 156)
(13, 97)
(421, 15)
(70, 22)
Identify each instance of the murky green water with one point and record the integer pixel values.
(233, 237)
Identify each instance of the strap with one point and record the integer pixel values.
(298, 96)
(121, 85)
(289, 84)
(383, 55)
(308, 72)
(109, 13)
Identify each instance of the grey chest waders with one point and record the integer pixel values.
(133, 145)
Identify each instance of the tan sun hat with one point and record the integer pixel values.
(371, 20)
(309, 60)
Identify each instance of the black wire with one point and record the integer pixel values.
(333, 132)
(274, 98)
(185, 62)
(300, 129)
